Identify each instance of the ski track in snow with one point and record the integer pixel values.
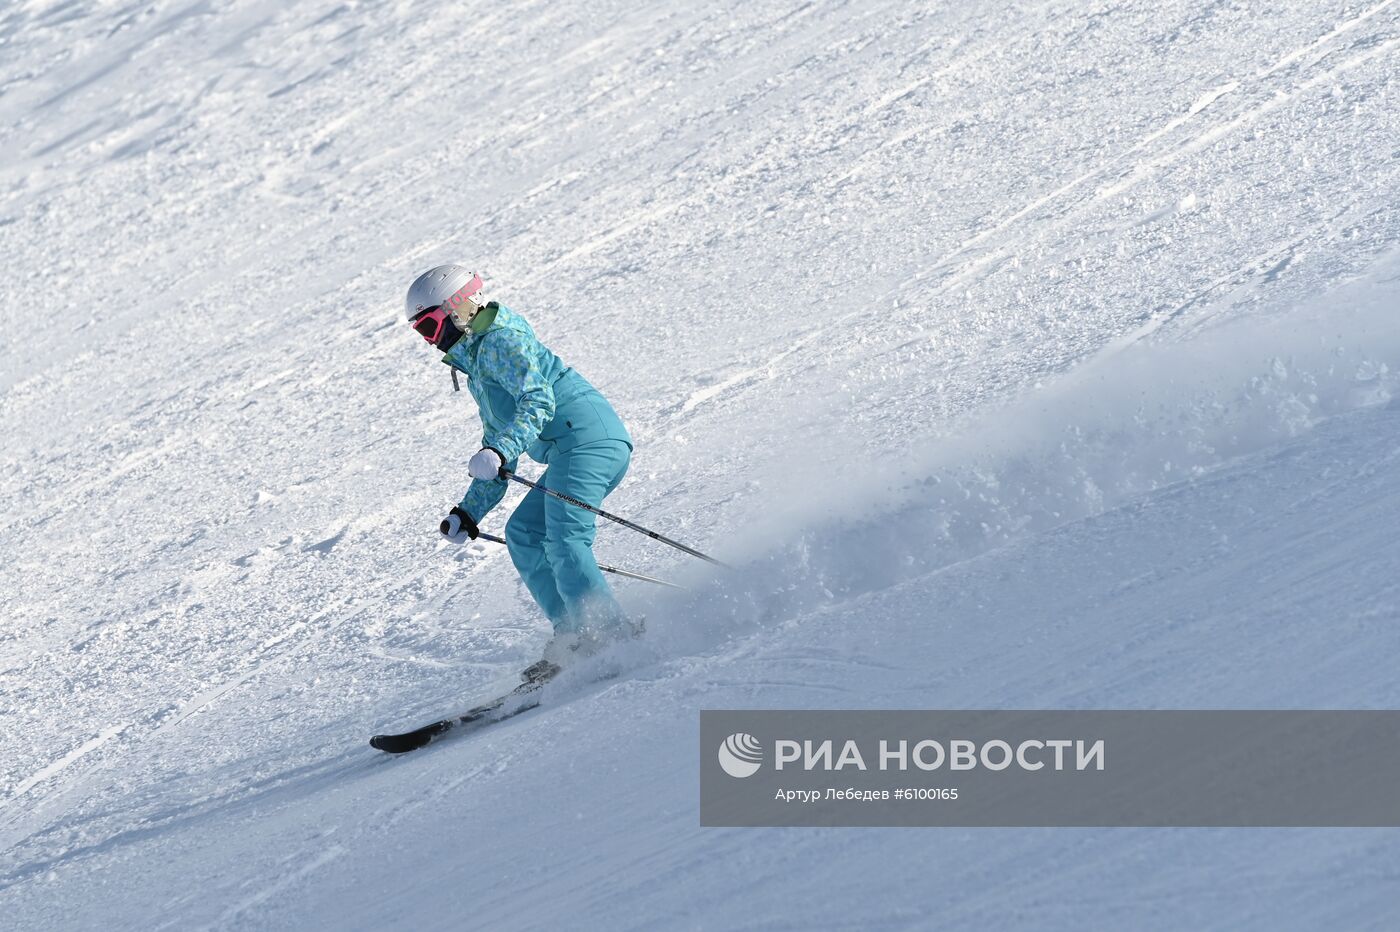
(929, 318)
(58, 765)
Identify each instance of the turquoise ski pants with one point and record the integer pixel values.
(551, 542)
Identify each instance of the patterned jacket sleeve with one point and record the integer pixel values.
(506, 357)
(482, 496)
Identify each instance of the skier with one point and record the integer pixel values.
(532, 403)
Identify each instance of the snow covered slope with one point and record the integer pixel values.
(1023, 356)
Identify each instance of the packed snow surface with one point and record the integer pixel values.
(1024, 356)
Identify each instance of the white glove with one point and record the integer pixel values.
(458, 526)
(485, 464)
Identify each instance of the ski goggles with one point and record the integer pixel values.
(429, 322)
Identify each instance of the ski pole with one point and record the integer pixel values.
(506, 473)
(482, 535)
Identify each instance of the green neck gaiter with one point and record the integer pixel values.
(485, 318)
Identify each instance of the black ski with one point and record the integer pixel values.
(495, 710)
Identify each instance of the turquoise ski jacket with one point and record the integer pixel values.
(530, 402)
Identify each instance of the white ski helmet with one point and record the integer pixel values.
(448, 286)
